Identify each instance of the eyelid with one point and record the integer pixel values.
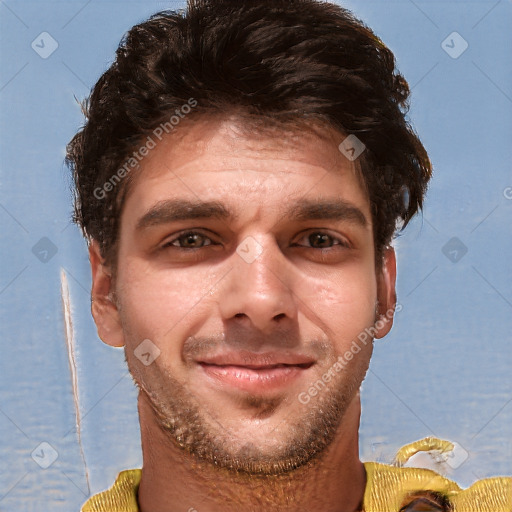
(343, 241)
(176, 236)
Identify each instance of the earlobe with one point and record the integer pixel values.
(386, 293)
(103, 308)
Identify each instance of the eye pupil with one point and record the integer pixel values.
(190, 238)
(319, 237)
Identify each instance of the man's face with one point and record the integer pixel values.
(248, 262)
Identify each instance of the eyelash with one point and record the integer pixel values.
(342, 243)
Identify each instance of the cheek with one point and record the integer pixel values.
(161, 305)
(343, 304)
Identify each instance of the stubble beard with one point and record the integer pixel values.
(305, 434)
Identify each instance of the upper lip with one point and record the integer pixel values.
(256, 360)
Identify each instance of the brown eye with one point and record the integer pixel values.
(189, 240)
(322, 240)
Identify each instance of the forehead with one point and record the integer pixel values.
(226, 156)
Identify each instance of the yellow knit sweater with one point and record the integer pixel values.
(387, 489)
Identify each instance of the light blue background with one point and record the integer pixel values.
(444, 369)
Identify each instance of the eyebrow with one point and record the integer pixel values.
(307, 209)
(173, 210)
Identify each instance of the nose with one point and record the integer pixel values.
(258, 291)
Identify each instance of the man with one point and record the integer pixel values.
(241, 174)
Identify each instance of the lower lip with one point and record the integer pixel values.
(247, 379)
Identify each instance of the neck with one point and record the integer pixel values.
(173, 480)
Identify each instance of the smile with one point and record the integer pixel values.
(255, 378)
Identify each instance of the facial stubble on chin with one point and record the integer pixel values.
(194, 430)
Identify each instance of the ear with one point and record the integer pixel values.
(103, 308)
(386, 293)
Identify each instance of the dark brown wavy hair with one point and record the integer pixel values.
(285, 62)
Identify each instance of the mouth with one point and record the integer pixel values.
(260, 374)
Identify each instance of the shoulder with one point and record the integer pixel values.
(390, 489)
(121, 497)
